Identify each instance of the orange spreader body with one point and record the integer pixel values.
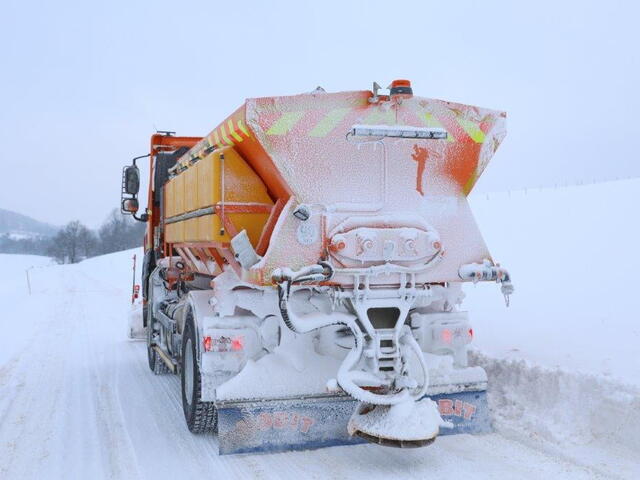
(276, 153)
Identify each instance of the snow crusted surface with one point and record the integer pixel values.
(77, 399)
(396, 422)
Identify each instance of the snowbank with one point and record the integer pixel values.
(585, 418)
(573, 256)
(564, 375)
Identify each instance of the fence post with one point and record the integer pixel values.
(28, 279)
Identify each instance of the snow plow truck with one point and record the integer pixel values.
(303, 268)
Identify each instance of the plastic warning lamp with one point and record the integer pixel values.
(401, 87)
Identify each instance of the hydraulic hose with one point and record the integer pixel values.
(345, 376)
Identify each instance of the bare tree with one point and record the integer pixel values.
(72, 243)
(88, 242)
(120, 232)
(75, 242)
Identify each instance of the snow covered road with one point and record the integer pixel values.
(77, 400)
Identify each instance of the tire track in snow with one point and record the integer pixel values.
(35, 397)
(117, 449)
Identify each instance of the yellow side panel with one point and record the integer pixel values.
(168, 233)
(241, 183)
(209, 229)
(190, 189)
(253, 223)
(208, 181)
(169, 201)
(174, 232)
(206, 228)
(199, 187)
(179, 195)
(191, 230)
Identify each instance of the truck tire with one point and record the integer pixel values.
(156, 365)
(201, 417)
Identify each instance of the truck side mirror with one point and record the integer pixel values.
(130, 205)
(131, 180)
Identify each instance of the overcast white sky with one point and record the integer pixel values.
(83, 84)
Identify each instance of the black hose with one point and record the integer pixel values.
(284, 313)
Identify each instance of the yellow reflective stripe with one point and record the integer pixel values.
(472, 129)
(243, 128)
(378, 117)
(433, 122)
(216, 138)
(285, 123)
(329, 122)
(234, 134)
(470, 183)
(223, 133)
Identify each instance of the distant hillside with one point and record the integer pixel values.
(19, 226)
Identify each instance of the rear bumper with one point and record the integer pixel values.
(318, 421)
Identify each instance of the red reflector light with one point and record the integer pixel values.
(447, 336)
(237, 343)
(223, 343)
(471, 332)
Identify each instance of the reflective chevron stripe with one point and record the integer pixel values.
(472, 129)
(329, 122)
(431, 121)
(285, 123)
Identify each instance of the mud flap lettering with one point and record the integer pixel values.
(448, 407)
(301, 424)
(467, 411)
(279, 421)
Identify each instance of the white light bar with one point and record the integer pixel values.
(398, 131)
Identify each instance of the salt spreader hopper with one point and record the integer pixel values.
(303, 269)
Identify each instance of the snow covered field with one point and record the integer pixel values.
(77, 399)
(573, 256)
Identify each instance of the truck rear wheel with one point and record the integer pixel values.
(201, 417)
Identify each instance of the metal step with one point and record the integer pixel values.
(165, 358)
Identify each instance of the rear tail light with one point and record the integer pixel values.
(447, 336)
(223, 343)
(237, 344)
(455, 335)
